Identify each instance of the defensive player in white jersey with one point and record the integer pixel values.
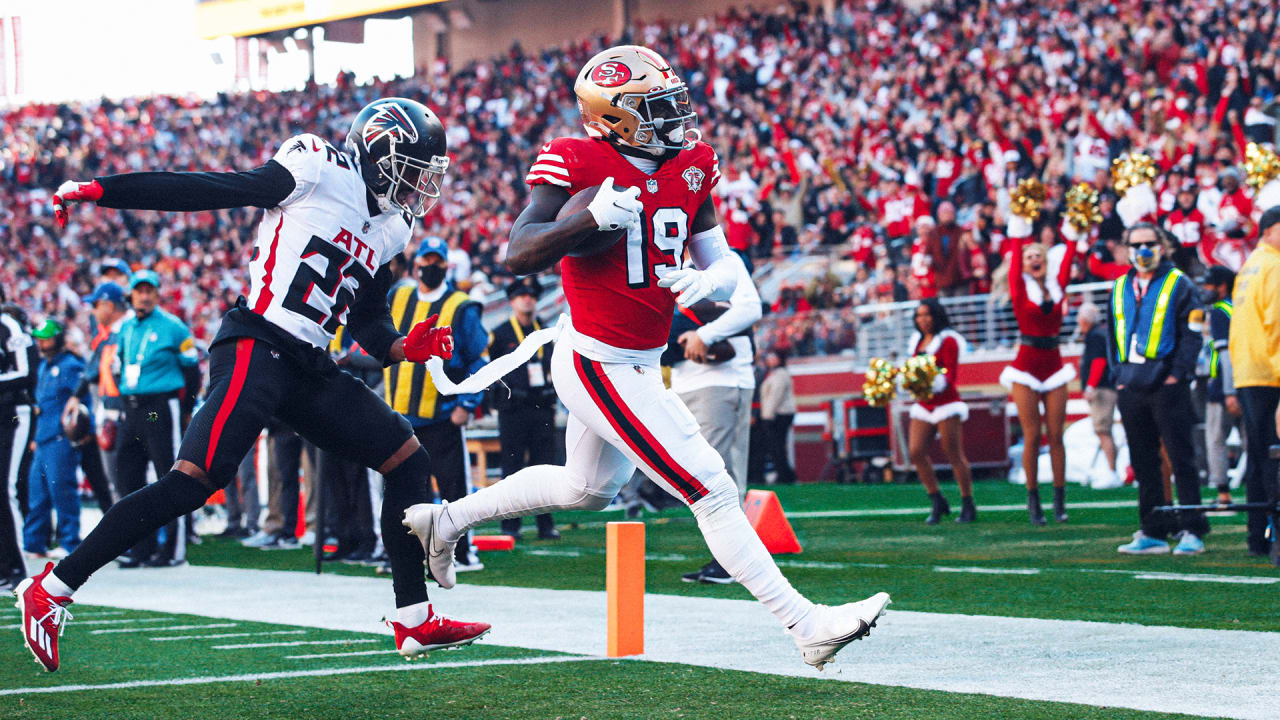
(622, 298)
(333, 222)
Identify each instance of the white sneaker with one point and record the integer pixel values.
(421, 521)
(839, 626)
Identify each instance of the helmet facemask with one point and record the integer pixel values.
(412, 185)
(666, 119)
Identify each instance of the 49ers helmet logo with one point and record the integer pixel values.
(611, 74)
(390, 121)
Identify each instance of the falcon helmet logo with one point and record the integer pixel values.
(694, 177)
(389, 122)
(611, 74)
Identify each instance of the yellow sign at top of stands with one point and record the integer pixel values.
(215, 18)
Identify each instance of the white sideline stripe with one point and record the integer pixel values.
(220, 636)
(294, 643)
(341, 654)
(164, 629)
(888, 512)
(80, 623)
(988, 570)
(289, 674)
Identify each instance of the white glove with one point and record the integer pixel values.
(615, 208)
(1268, 196)
(1019, 227)
(939, 383)
(1138, 202)
(689, 285)
(1081, 239)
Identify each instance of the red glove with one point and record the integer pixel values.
(73, 191)
(426, 341)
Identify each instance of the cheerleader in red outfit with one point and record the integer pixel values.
(945, 412)
(1038, 375)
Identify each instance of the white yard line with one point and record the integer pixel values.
(975, 569)
(1201, 672)
(295, 643)
(889, 512)
(341, 654)
(289, 674)
(163, 629)
(988, 570)
(220, 636)
(82, 623)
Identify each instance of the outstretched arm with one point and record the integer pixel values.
(264, 187)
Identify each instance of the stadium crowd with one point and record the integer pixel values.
(878, 135)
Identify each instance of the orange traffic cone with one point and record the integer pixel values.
(764, 512)
(486, 543)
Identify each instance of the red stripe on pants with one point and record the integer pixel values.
(244, 351)
(684, 482)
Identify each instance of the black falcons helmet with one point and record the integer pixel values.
(401, 149)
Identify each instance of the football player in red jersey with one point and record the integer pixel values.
(655, 179)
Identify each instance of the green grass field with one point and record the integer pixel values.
(1076, 563)
(1066, 571)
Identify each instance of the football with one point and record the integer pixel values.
(594, 242)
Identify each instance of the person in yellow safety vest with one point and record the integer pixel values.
(1255, 357)
(438, 420)
(1153, 352)
(1222, 409)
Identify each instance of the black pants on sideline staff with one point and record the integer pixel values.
(447, 447)
(778, 432)
(16, 427)
(150, 432)
(1168, 409)
(527, 436)
(284, 451)
(94, 473)
(348, 507)
(1258, 405)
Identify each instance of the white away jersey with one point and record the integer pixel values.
(320, 246)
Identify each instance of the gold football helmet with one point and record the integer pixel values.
(630, 94)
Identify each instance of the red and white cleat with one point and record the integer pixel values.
(437, 633)
(44, 617)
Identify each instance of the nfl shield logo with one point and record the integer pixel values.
(652, 185)
(365, 228)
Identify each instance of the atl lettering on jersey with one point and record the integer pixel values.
(320, 246)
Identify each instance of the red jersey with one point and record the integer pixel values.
(614, 296)
(1187, 227)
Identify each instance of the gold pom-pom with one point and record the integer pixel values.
(1261, 165)
(1082, 207)
(1027, 199)
(1132, 170)
(879, 387)
(918, 374)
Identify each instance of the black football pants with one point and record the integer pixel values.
(17, 423)
(250, 382)
(1168, 410)
(1258, 405)
(448, 450)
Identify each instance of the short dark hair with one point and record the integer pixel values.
(1128, 232)
(941, 320)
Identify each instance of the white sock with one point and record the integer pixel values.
(413, 615)
(55, 587)
(735, 545)
(534, 490)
